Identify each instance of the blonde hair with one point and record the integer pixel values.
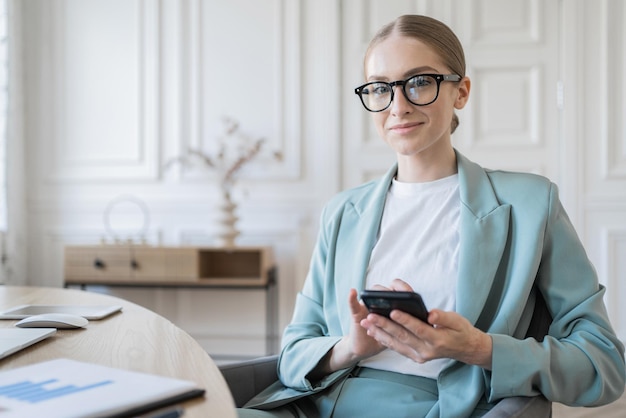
(433, 33)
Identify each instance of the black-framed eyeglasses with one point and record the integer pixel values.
(421, 90)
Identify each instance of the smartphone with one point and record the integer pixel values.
(382, 302)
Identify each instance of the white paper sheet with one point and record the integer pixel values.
(67, 388)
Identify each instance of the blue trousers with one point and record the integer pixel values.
(366, 393)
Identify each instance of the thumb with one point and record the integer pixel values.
(355, 306)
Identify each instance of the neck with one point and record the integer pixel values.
(424, 168)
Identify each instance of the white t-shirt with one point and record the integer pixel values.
(418, 242)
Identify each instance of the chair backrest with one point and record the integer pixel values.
(248, 378)
(536, 406)
(541, 320)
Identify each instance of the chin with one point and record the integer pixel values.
(406, 146)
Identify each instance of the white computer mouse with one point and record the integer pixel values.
(53, 320)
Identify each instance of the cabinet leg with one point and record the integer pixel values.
(271, 314)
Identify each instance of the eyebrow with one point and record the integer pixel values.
(412, 71)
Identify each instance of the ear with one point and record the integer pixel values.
(463, 93)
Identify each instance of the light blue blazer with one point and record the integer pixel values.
(516, 240)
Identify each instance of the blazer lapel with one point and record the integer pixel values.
(356, 238)
(484, 232)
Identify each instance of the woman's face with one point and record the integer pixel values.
(410, 130)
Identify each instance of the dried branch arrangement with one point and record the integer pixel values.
(235, 151)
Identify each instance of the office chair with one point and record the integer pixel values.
(248, 378)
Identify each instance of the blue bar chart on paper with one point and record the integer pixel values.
(33, 392)
(63, 388)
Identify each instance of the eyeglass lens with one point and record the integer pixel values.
(419, 90)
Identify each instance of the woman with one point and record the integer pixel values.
(481, 247)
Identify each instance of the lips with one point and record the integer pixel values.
(404, 127)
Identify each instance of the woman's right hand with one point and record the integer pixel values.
(352, 348)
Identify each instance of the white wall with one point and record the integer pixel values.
(115, 88)
(594, 138)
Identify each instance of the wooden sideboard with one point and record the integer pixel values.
(177, 267)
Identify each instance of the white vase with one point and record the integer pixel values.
(226, 232)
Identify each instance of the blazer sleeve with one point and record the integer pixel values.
(309, 336)
(581, 361)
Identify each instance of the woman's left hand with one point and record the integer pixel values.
(446, 335)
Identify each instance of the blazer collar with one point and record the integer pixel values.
(477, 194)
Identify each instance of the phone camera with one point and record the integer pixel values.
(381, 303)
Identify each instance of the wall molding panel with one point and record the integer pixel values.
(615, 36)
(267, 103)
(606, 245)
(605, 105)
(616, 268)
(512, 120)
(517, 89)
(595, 56)
(114, 60)
(511, 23)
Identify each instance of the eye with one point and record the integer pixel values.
(376, 89)
(420, 81)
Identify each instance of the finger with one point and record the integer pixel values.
(377, 322)
(394, 337)
(380, 287)
(356, 307)
(442, 319)
(400, 285)
(416, 326)
(375, 326)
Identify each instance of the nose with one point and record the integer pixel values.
(400, 104)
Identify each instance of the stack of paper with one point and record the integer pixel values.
(67, 388)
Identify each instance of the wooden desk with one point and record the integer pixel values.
(134, 339)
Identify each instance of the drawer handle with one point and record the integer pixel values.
(134, 264)
(99, 264)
